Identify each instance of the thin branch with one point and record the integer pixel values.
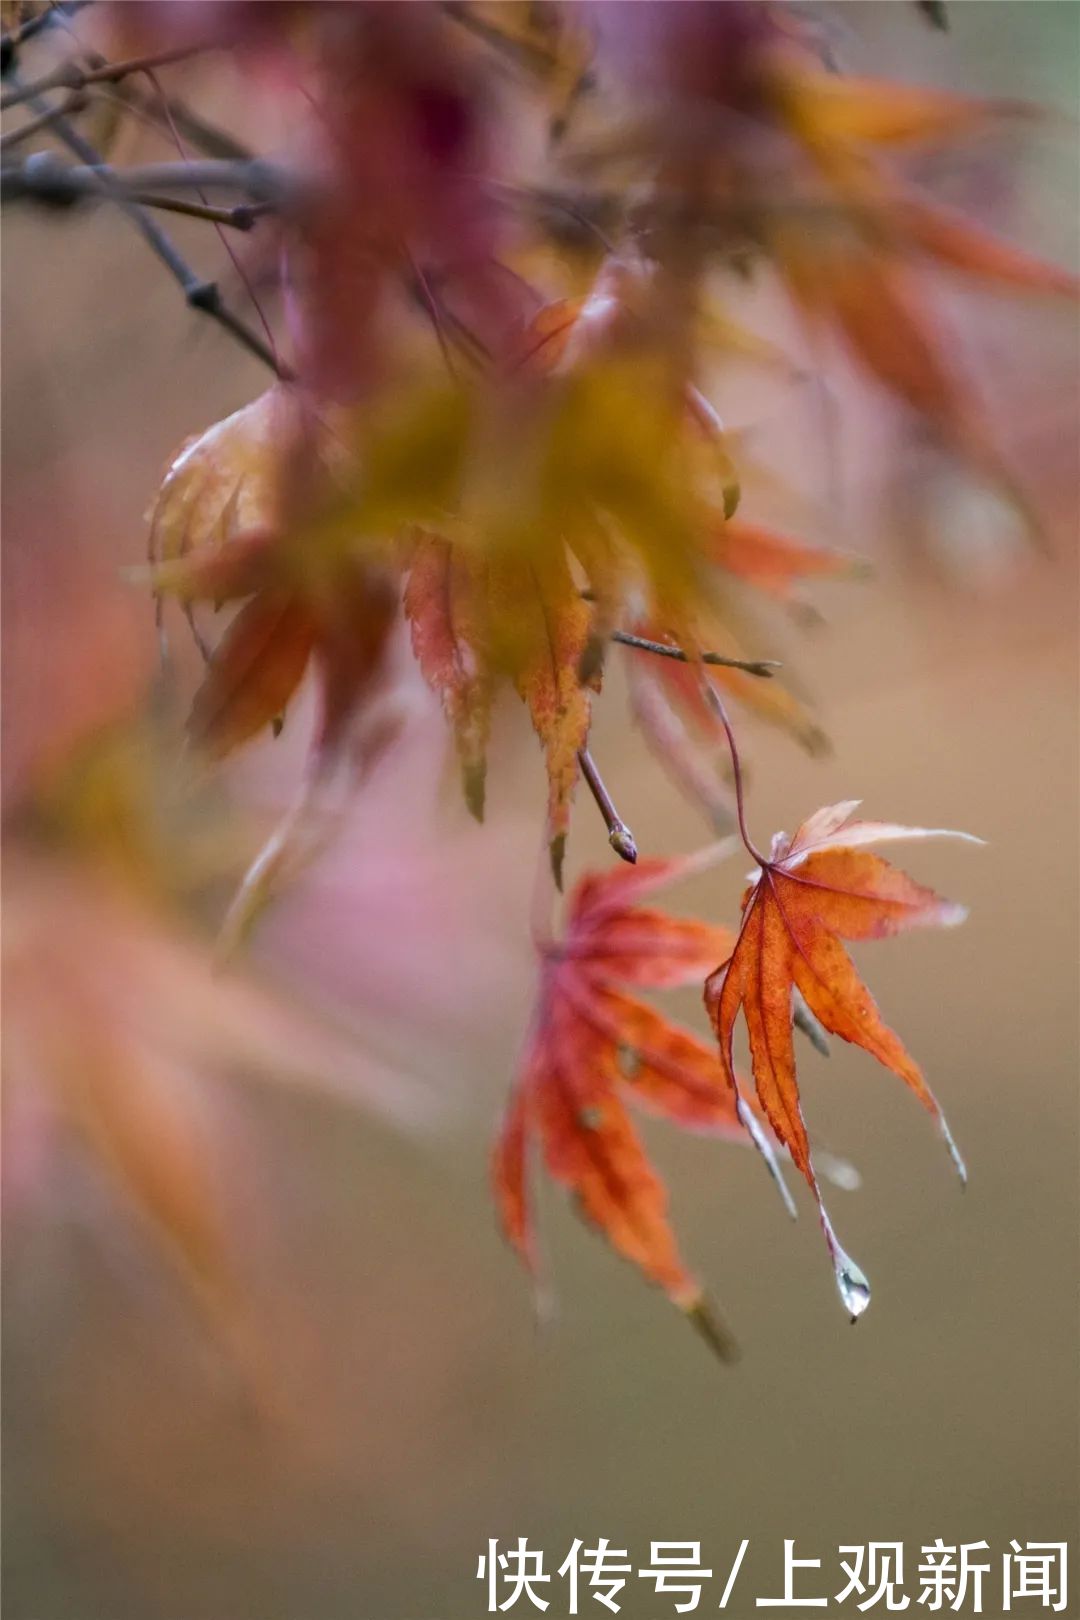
(11, 42)
(762, 667)
(234, 260)
(73, 102)
(164, 111)
(43, 178)
(207, 137)
(200, 294)
(242, 217)
(620, 837)
(69, 76)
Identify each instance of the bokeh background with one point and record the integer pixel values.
(419, 1410)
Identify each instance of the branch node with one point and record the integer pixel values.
(204, 295)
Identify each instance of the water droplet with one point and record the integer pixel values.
(852, 1283)
(851, 1280)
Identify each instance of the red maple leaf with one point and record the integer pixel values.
(594, 1047)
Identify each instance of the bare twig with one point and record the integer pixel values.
(242, 217)
(200, 294)
(156, 86)
(69, 76)
(74, 101)
(207, 137)
(42, 178)
(762, 667)
(620, 837)
(11, 42)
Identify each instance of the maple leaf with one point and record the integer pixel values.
(476, 620)
(775, 563)
(594, 1046)
(854, 271)
(440, 606)
(340, 617)
(814, 889)
(952, 242)
(832, 113)
(222, 481)
(677, 691)
(626, 460)
(256, 511)
(800, 165)
(118, 1026)
(690, 685)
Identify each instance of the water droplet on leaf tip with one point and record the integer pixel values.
(852, 1283)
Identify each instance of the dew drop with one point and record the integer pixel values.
(851, 1281)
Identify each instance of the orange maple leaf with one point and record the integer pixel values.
(336, 613)
(592, 1047)
(337, 619)
(854, 272)
(774, 562)
(813, 889)
(440, 606)
(667, 692)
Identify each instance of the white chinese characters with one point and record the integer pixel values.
(952, 1577)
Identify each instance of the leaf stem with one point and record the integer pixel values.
(762, 667)
(620, 837)
(713, 697)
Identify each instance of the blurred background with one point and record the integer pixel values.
(417, 1411)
